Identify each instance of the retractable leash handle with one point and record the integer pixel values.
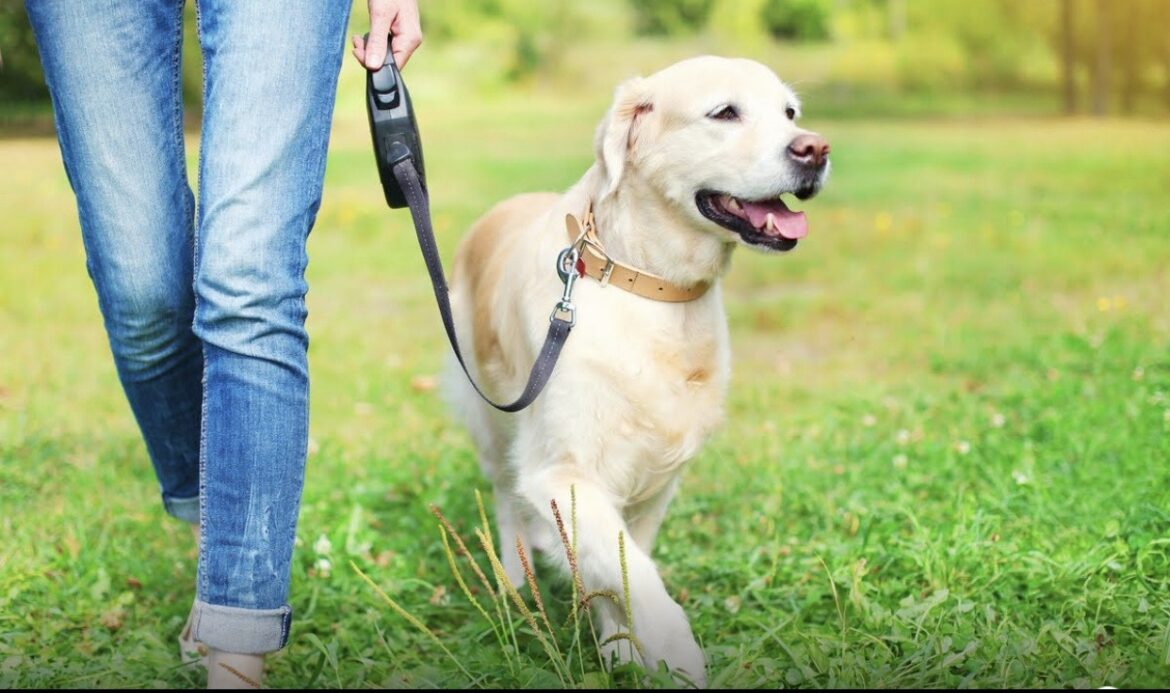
(398, 152)
(393, 127)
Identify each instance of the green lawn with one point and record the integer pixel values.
(945, 461)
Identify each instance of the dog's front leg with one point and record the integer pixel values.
(646, 517)
(658, 623)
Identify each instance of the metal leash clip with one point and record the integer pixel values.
(567, 269)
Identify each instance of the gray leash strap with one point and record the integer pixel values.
(560, 322)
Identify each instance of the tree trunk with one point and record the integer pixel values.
(1166, 70)
(1129, 54)
(1103, 66)
(1068, 55)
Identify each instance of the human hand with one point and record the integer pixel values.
(399, 17)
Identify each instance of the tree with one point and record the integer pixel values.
(1122, 45)
(1102, 72)
(1068, 54)
(1166, 70)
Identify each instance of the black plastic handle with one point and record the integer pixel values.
(392, 127)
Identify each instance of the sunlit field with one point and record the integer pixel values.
(945, 462)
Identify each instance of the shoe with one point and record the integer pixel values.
(191, 651)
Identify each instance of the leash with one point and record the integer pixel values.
(398, 152)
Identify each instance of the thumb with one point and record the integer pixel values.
(376, 44)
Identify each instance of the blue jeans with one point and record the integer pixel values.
(205, 314)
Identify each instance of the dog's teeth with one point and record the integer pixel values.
(770, 225)
(733, 205)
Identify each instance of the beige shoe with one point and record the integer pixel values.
(230, 670)
(191, 651)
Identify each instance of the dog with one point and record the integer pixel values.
(691, 162)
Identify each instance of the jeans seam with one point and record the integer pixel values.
(177, 89)
(201, 587)
(202, 567)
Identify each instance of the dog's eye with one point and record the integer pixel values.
(790, 112)
(728, 112)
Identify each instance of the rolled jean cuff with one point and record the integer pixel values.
(185, 509)
(242, 631)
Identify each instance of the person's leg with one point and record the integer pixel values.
(270, 82)
(112, 67)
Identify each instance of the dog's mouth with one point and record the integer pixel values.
(768, 223)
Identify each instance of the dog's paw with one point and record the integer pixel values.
(682, 655)
(667, 637)
(683, 658)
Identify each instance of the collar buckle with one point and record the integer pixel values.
(605, 273)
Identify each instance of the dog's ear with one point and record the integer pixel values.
(618, 133)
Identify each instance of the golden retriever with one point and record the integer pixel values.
(690, 163)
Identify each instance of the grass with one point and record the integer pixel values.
(945, 461)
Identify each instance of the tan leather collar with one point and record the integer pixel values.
(596, 263)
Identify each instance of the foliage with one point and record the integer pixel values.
(1119, 59)
(737, 23)
(20, 65)
(993, 35)
(670, 17)
(21, 76)
(802, 20)
(527, 35)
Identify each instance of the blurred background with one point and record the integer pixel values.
(852, 57)
(944, 460)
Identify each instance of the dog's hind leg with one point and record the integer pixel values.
(510, 525)
(659, 624)
(491, 450)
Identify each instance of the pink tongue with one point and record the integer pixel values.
(789, 224)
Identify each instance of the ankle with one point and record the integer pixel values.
(231, 670)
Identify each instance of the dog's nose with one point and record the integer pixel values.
(809, 149)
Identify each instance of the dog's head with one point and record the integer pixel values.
(717, 139)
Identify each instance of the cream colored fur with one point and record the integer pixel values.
(640, 384)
